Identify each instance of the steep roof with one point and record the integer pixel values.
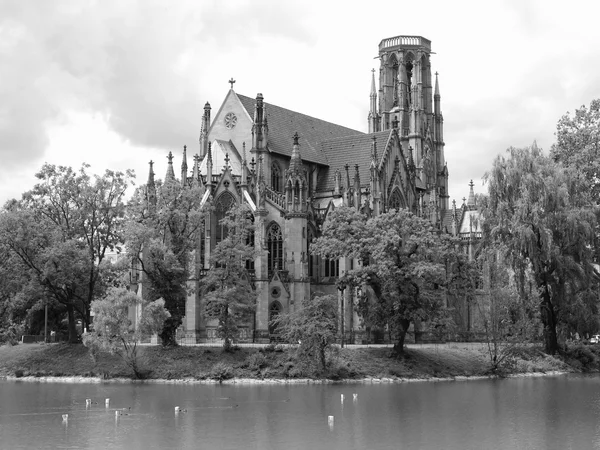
(350, 150)
(283, 123)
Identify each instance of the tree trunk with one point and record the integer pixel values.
(549, 322)
(72, 326)
(403, 328)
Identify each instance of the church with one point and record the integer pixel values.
(293, 169)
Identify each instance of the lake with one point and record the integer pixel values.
(558, 412)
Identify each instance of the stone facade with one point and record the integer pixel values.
(293, 169)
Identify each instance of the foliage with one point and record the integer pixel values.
(227, 289)
(509, 319)
(161, 234)
(60, 232)
(313, 326)
(541, 218)
(402, 270)
(115, 333)
(50, 266)
(578, 145)
(221, 371)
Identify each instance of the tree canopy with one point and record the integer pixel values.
(227, 288)
(542, 217)
(160, 237)
(402, 265)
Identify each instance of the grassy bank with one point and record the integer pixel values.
(202, 363)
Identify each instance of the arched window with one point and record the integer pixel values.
(275, 248)
(274, 311)
(395, 201)
(250, 242)
(276, 182)
(312, 259)
(224, 203)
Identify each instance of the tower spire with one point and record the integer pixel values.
(184, 166)
(373, 116)
(204, 131)
(170, 176)
(471, 201)
(151, 189)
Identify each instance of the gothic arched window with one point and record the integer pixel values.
(250, 242)
(276, 181)
(395, 201)
(224, 203)
(275, 248)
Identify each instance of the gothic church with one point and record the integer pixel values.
(292, 169)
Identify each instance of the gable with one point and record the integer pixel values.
(239, 134)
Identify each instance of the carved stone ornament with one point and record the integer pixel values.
(230, 120)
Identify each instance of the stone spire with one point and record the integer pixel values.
(196, 169)
(373, 118)
(151, 189)
(295, 160)
(184, 166)
(471, 202)
(204, 131)
(244, 165)
(357, 193)
(170, 176)
(209, 165)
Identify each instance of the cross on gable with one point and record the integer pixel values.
(231, 81)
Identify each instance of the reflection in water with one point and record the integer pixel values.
(550, 413)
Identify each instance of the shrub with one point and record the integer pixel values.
(221, 371)
(257, 361)
(18, 373)
(584, 357)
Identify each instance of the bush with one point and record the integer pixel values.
(257, 361)
(18, 373)
(584, 357)
(221, 371)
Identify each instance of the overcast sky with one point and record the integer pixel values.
(117, 83)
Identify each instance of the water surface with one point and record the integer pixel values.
(561, 412)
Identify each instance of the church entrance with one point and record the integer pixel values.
(274, 311)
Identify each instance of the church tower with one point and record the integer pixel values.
(407, 98)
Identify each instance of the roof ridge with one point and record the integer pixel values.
(299, 113)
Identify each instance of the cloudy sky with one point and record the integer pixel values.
(117, 83)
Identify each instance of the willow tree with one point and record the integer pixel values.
(403, 265)
(542, 217)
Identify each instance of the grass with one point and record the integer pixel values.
(203, 363)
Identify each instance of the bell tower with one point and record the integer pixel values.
(406, 97)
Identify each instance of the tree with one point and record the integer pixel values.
(313, 326)
(227, 288)
(402, 265)
(161, 237)
(542, 219)
(51, 266)
(113, 330)
(85, 209)
(578, 145)
(509, 317)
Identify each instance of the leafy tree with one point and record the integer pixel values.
(542, 219)
(227, 288)
(85, 209)
(578, 145)
(403, 265)
(313, 326)
(160, 239)
(50, 265)
(115, 333)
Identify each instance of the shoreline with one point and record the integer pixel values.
(276, 381)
